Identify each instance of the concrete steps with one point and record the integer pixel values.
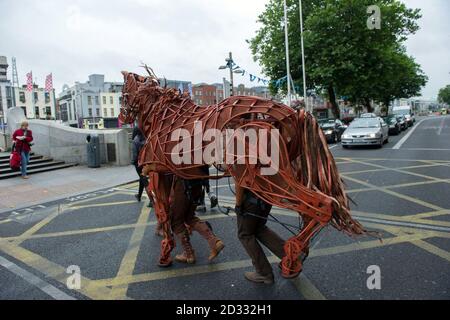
(37, 164)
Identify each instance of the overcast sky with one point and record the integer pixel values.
(180, 39)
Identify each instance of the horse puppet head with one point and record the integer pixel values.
(132, 97)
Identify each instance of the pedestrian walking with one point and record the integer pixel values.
(252, 214)
(22, 139)
(138, 143)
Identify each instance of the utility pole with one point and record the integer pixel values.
(303, 57)
(288, 68)
(229, 65)
(15, 80)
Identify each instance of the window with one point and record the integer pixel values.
(48, 111)
(112, 112)
(111, 100)
(24, 111)
(104, 100)
(47, 97)
(36, 112)
(97, 112)
(90, 101)
(63, 111)
(90, 112)
(36, 97)
(105, 112)
(22, 97)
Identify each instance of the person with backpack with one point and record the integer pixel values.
(22, 139)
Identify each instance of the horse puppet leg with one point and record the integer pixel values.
(160, 187)
(294, 247)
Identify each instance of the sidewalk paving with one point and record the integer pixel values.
(16, 193)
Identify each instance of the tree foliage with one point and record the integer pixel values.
(444, 95)
(343, 56)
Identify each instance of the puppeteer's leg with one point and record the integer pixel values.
(160, 186)
(179, 208)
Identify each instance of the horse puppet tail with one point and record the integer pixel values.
(318, 171)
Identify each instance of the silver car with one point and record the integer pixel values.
(366, 132)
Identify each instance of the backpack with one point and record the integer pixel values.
(15, 159)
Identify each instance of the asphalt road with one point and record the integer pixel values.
(401, 190)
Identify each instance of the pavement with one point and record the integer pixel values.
(17, 193)
(401, 191)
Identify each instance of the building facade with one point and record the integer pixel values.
(36, 104)
(205, 94)
(6, 100)
(93, 104)
(184, 86)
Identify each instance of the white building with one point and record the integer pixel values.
(95, 102)
(5, 88)
(110, 104)
(36, 104)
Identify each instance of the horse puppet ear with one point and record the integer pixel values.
(125, 74)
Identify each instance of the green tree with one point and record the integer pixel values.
(444, 95)
(343, 56)
(402, 78)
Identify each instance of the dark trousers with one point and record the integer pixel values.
(182, 208)
(251, 231)
(143, 182)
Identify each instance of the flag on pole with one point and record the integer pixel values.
(49, 83)
(30, 81)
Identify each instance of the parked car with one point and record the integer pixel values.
(394, 124)
(366, 132)
(333, 129)
(409, 120)
(402, 120)
(407, 112)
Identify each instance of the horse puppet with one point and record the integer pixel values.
(306, 179)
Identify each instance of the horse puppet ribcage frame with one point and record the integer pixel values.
(306, 179)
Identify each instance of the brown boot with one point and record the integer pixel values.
(216, 245)
(188, 255)
(258, 278)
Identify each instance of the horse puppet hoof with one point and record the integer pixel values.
(288, 273)
(165, 264)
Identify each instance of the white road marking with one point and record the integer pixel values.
(332, 147)
(403, 140)
(425, 149)
(35, 281)
(404, 224)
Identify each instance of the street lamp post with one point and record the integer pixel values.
(229, 65)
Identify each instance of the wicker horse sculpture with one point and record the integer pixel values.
(307, 180)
